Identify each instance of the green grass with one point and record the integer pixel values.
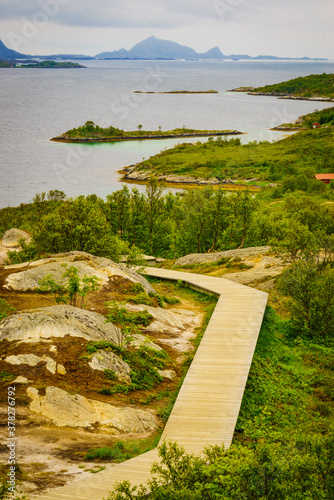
(264, 161)
(307, 86)
(122, 450)
(290, 389)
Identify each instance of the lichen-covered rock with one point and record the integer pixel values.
(86, 263)
(167, 374)
(138, 341)
(164, 320)
(64, 409)
(242, 253)
(105, 360)
(12, 236)
(32, 360)
(57, 321)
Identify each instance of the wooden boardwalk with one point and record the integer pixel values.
(208, 404)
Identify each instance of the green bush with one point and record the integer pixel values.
(5, 309)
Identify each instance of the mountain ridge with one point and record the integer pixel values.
(151, 48)
(155, 48)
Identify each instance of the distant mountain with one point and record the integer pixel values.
(79, 57)
(6, 53)
(155, 48)
(150, 48)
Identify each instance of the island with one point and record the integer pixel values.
(178, 92)
(311, 88)
(7, 64)
(51, 64)
(93, 133)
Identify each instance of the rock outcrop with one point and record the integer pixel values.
(242, 253)
(66, 410)
(105, 360)
(12, 236)
(58, 321)
(88, 264)
(260, 266)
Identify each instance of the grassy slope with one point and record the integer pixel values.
(226, 160)
(290, 390)
(307, 86)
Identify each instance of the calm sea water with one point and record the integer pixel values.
(38, 104)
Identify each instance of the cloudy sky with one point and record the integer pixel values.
(292, 28)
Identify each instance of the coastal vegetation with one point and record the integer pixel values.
(257, 163)
(323, 118)
(51, 64)
(6, 64)
(89, 132)
(311, 86)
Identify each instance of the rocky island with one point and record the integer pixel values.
(93, 133)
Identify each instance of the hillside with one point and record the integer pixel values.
(307, 87)
(227, 161)
(6, 53)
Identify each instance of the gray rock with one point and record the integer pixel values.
(167, 374)
(242, 253)
(66, 410)
(86, 263)
(105, 360)
(164, 320)
(32, 360)
(139, 341)
(12, 236)
(57, 321)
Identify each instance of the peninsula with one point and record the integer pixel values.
(311, 87)
(226, 162)
(93, 133)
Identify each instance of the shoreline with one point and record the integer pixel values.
(146, 137)
(252, 91)
(131, 176)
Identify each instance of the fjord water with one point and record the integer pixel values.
(37, 104)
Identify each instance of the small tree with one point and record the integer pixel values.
(139, 127)
(73, 291)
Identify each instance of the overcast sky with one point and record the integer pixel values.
(292, 28)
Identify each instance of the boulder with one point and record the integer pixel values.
(11, 238)
(242, 253)
(167, 374)
(67, 410)
(105, 360)
(86, 263)
(164, 320)
(138, 341)
(57, 321)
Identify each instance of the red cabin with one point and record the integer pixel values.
(325, 178)
(316, 125)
